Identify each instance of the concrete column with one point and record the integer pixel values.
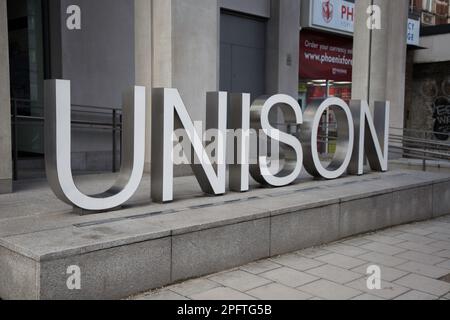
(361, 52)
(143, 62)
(5, 105)
(379, 64)
(396, 62)
(283, 47)
(162, 46)
(185, 52)
(195, 41)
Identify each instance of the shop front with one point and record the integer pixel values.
(325, 71)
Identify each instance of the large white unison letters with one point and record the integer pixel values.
(359, 135)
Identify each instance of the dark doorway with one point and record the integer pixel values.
(25, 31)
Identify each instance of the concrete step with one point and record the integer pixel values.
(146, 246)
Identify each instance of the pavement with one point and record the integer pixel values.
(414, 261)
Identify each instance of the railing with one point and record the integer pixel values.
(421, 145)
(407, 143)
(115, 125)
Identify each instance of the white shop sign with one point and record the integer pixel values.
(339, 16)
(413, 32)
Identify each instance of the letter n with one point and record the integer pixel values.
(371, 136)
(170, 114)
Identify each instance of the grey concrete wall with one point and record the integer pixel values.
(99, 58)
(283, 48)
(5, 106)
(379, 64)
(255, 7)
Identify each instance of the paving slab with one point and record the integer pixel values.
(416, 296)
(388, 290)
(289, 277)
(329, 290)
(341, 260)
(421, 257)
(414, 246)
(414, 238)
(276, 291)
(387, 274)
(383, 248)
(240, 280)
(163, 296)
(348, 250)
(260, 266)
(382, 259)
(424, 269)
(222, 293)
(367, 297)
(445, 264)
(444, 245)
(425, 284)
(193, 287)
(297, 262)
(333, 273)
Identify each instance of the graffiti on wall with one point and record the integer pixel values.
(438, 95)
(441, 117)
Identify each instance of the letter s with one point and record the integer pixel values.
(291, 150)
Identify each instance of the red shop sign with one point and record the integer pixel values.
(325, 56)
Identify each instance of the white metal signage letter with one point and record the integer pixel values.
(291, 147)
(344, 143)
(376, 142)
(239, 122)
(58, 149)
(169, 114)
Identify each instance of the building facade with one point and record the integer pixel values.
(427, 107)
(196, 46)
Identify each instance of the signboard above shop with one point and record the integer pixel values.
(335, 15)
(323, 56)
(413, 32)
(338, 16)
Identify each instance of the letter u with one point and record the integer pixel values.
(58, 149)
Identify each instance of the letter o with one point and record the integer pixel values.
(344, 143)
